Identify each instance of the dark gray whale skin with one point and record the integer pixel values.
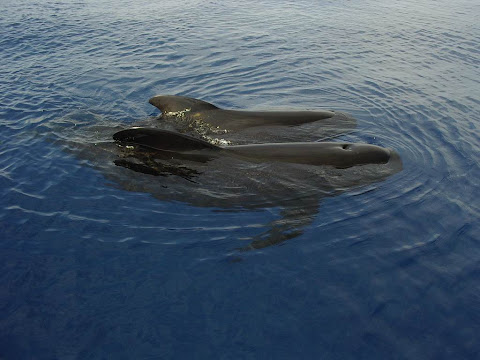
(254, 176)
(337, 154)
(233, 120)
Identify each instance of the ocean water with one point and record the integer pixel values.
(240, 260)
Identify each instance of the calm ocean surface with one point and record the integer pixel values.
(100, 262)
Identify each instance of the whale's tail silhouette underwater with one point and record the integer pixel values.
(272, 160)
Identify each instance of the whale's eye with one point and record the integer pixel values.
(346, 146)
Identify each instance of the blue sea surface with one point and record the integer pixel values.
(96, 268)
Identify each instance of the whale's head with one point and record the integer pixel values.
(365, 153)
(336, 154)
(351, 154)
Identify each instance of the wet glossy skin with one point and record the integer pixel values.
(232, 119)
(336, 154)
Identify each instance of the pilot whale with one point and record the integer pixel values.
(337, 154)
(267, 167)
(268, 173)
(232, 120)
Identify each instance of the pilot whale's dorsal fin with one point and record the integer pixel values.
(162, 140)
(168, 104)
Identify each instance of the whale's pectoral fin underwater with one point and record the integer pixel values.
(336, 154)
(195, 110)
(291, 224)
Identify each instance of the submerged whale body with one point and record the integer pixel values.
(337, 154)
(232, 120)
